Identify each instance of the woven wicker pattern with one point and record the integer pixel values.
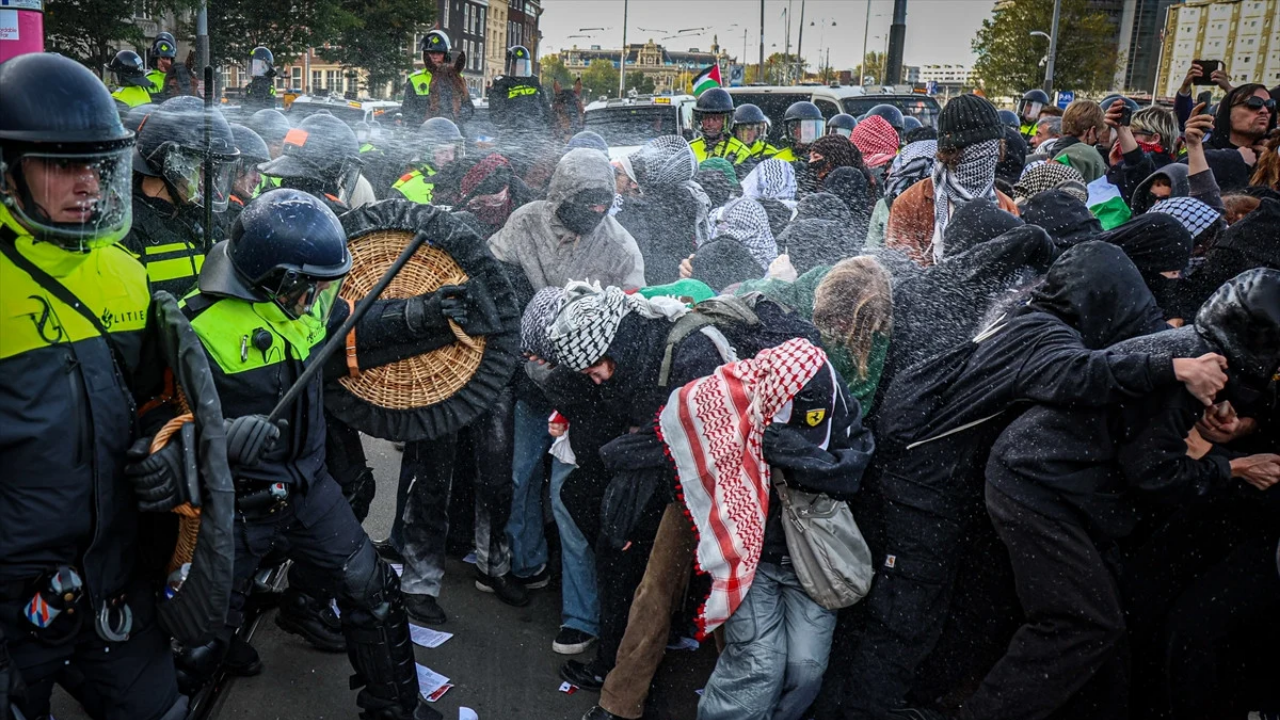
(421, 380)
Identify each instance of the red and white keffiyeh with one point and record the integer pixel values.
(713, 428)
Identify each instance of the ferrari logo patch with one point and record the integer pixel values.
(815, 417)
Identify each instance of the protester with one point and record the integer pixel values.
(669, 218)
(878, 141)
(1084, 130)
(1049, 176)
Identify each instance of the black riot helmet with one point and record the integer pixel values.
(320, 155)
(803, 124)
(1032, 102)
(253, 150)
(164, 46)
(715, 102)
(271, 126)
(889, 112)
(750, 123)
(438, 132)
(436, 42)
(136, 115)
(286, 247)
(519, 62)
(172, 146)
(841, 124)
(910, 123)
(1009, 118)
(40, 140)
(128, 69)
(262, 63)
(1128, 102)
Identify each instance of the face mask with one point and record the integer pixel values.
(491, 209)
(580, 219)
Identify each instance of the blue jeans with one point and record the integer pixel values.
(524, 529)
(776, 647)
(580, 607)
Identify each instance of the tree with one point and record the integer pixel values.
(553, 71)
(780, 69)
(287, 28)
(1009, 58)
(874, 63)
(92, 31)
(641, 83)
(600, 78)
(380, 40)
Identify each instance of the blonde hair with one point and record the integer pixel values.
(1081, 115)
(854, 303)
(1156, 120)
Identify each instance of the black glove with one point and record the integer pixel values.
(248, 437)
(157, 477)
(453, 303)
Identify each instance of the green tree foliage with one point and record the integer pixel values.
(874, 62)
(287, 27)
(1009, 57)
(380, 40)
(780, 69)
(553, 71)
(639, 82)
(92, 31)
(600, 78)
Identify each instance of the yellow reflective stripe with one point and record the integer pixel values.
(226, 328)
(174, 269)
(167, 248)
(521, 90)
(421, 82)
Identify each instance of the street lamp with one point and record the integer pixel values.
(1052, 37)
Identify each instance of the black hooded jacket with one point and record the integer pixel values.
(976, 222)
(1066, 219)
(1179, 186)
(1254, 241)
(1156, 243)
(943, 415)
(1220, 138)
(823, 232)
(1093, 460)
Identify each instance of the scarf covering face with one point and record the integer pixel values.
(837, 151)
(912, 165)
(713, 429)
(1048, 176)
(772, 179)
(974, 177)
(877, 140)
(491, 200)
(1194, 215)
(668, 162)
(748, 223)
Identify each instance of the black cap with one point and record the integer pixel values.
(966, 120)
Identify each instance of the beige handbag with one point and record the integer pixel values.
(826, 548)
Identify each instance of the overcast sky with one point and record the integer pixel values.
(938, 31)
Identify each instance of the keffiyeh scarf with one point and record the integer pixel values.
(912, 165)
(1050, 176)
(877, 140)
(748, 223)
(713, 428)
(772, 179)
(1194, 215)
(974, 177)
(538, 316)
(588, 323)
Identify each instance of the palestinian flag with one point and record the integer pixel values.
(707, 79)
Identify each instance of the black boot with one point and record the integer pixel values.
(381, 652)
(242, 660)
(196, 664)
(311, 618)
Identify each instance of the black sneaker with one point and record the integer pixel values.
(536, 581)
(424, 609)
(508, 590)
(599, 713)
(570, 641)
(584, 675)
(241, 659)
(388, 552)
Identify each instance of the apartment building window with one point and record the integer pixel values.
(315, 81)
(332, 80)
(296, 75)
(142, 9)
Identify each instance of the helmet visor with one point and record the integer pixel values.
(1031, 110)
(841, 131)
(78, 201)
(260, 68)
(750, 132)
(302, 296)
(521, 67)
(184, 169)
(807, 132)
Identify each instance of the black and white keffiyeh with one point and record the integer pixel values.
(1194, 215)
(537, 318)
(588, 323)
(772, 179)
(1050, 176)
(974, 177)
(912, 165)
(747, 222)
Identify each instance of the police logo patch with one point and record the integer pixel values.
(814, 418)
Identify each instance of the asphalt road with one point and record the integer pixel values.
(499, 658)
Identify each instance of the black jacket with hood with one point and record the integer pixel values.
(1156, 243)
(1251, 242)
(1069, 461)
(823, 232)
(1066, 219)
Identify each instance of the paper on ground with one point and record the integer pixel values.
(470, 558)
(398, 568)
(428, 638)
(429, 680)
(466, 713)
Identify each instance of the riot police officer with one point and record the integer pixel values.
(271, 126)
(131, 79)
(751, 128)
(1009, 118)
(245, 178)
(841, 124)
(164, 49)
(168, 233)
(1029, 107)
(72, 372)
(440, 149)
(891, 115)
(517, 103)
(321, 157)
(261, 90)
(437, 54)
(713, 116)
(802, 125)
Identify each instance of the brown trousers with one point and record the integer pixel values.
(649, 622)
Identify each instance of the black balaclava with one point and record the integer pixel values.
(1155, 242)
(577, 215)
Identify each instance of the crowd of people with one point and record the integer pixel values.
(968, 421)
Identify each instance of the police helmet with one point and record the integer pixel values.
(436, 132)
(128, 69)
(363, 131)
(1128, 102)
(910, 123)
(172, 146)
(890, 113)
(749, 122)
(164, 46)
(519, 62)
(1032, 102)
(841, 124)
(712, 103)
(253, 150)
(436, 42)
(262, 63)
(286, 247)
(136, 115)
(1009, 118)
(37, 133)
(271, 126)
(322, 149)
(803, 123)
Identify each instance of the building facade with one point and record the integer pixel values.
(949, 78)
(495, 57)
(464, 21)
(1243, 34)
(670, 70)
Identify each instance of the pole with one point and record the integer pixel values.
(209, 109)
(897, 40)
(622, 60)
(866, 26)
(800, 45)
(1053, 48)
(1155, 84)
(786, 47)
(202, 36)
(760, 69)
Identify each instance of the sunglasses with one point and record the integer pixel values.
(1255, 103)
